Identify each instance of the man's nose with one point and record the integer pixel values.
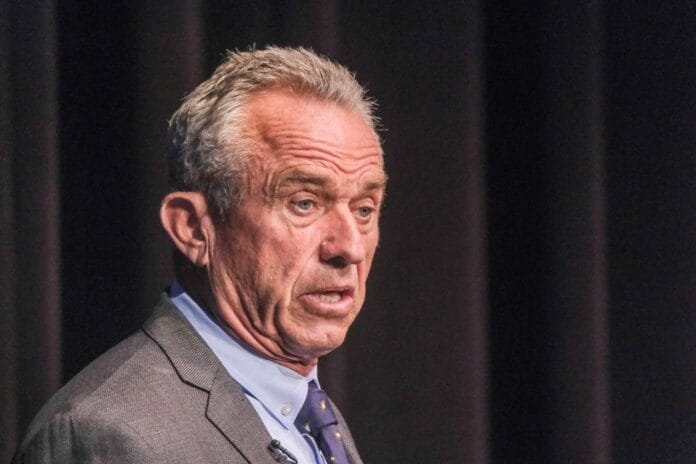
(343, 243)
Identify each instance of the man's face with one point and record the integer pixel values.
(288, 269)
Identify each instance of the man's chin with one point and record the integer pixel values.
(309, 348)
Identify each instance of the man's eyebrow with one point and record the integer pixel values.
(299, 177)
(318, 180)
(375, 185)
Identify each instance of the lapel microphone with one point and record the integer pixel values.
(280, 453)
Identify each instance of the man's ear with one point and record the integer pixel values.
(185, 217)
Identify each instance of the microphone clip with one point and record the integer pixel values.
(280, 453)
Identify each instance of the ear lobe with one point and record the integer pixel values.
(184, 216)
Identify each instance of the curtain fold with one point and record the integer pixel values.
(576, 276)
(8, 320)
(472, 354)
(31, 278)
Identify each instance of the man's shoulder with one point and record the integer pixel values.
(122, 373)
(129, 386)
(123, 370)
(97, 398)
(148, 399)
(130, 403)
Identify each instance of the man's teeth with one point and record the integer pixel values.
(333, 297)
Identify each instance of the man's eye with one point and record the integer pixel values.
(304, 205)
(365, 212)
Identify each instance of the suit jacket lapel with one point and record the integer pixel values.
(228, 408)
(236, 418)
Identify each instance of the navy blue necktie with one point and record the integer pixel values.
(318, 419)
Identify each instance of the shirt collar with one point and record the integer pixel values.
(280, 390)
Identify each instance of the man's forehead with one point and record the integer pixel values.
(332, 144)
(277, 114)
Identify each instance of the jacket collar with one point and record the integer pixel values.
(227, 408)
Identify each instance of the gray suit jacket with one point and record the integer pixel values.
(160, 395)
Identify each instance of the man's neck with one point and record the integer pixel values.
(194, 280)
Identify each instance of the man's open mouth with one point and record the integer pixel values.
(332, 295)
(329, 297)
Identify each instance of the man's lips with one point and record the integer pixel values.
(331, 300)
(331, 294)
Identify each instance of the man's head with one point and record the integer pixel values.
(278, 180)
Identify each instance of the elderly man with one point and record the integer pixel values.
(277, 181)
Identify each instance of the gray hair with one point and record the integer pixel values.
(208, 147)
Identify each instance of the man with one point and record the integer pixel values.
(277, 181)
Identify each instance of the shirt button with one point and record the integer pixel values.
(286, 409)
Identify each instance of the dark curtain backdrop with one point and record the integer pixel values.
(534, 294)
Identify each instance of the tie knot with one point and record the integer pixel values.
(316, 413)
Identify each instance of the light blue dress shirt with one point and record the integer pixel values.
(276, 392)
